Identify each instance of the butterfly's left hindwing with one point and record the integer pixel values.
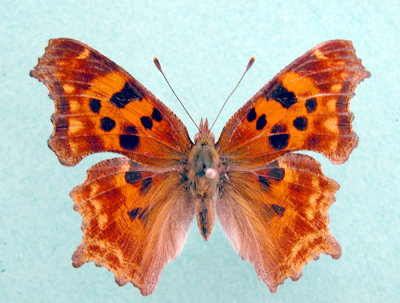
(101, 108)
(134, 220)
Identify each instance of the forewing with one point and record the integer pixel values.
(134, 220)
(305, 107)
(277, 217)
(100, 107)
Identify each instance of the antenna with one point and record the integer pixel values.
(251, 61)
(158, 65)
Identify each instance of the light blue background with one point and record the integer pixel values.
(203, 47)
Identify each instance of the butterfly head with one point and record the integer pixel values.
(204, 133)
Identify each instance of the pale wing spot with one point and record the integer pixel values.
(315, 182)
(112, 81)
(74, 105)
(74, 146)
(75, 126)
(68, 88)
(84, 54)
(94, 189)
(313, 200)
(331, 124)
(62, 63)
(335, 88)
(97, 205)
(344, 75)
(331, 104)
(103, 244)
(333, 145)
(320, 55)
(119, 180)
(102, 220)
(60, 74)
(310, 211)
(301, 244)
(299, 84)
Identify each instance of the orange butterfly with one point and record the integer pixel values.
(272, 203)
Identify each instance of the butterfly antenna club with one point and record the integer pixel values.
(249, 65)
(158, 65)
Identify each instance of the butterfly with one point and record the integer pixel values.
(271, 201)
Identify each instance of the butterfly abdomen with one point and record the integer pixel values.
(203, 178)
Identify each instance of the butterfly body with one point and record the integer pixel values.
(271, 202)
(203, 175)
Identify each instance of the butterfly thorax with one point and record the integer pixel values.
(203, 175)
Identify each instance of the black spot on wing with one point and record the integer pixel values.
(279, 210)
(146, 122)
(300, 123)
(139, 213)
(130, 140)
(145, 186)
(272, 175)
(278, 139)
(107, 124)
(95, 105)
(311, 105)
(252, 115)
(156, 115)
(261, 122)
(276, 173)
(264, 182)
(132, 177)
(125, 96)
(131, 130)
(134, 213)
(280, 94)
